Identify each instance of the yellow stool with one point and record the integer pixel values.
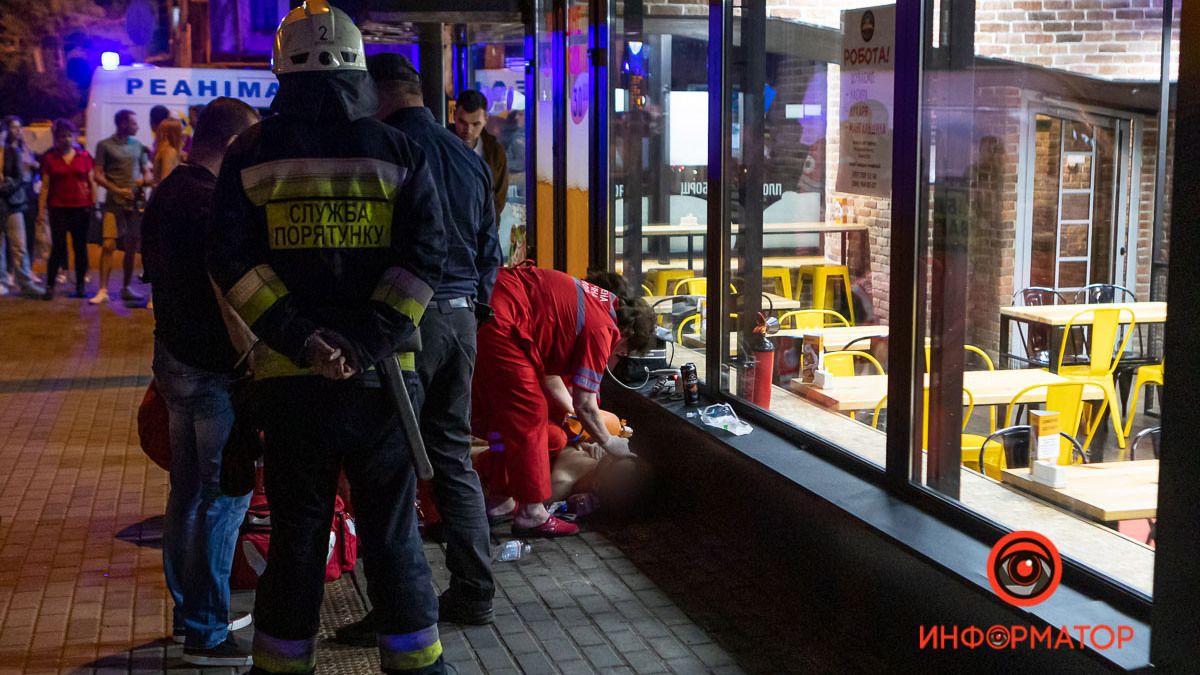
(663, 280)
(822, 291)
(783, 275)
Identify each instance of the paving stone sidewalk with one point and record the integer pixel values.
(81, 585)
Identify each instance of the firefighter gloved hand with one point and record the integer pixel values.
(327, 359)
(356, 357)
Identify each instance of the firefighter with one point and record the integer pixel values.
(327, 240)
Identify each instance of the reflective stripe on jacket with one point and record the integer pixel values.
(325, 224)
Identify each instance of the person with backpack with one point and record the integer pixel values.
(16, 190)
(194, 360)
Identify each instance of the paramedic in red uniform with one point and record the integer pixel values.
(548, 345)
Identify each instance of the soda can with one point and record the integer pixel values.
(691, 384)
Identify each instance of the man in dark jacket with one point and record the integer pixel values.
(193, 366)
(470, 118)
(328, 241)
(447, 357)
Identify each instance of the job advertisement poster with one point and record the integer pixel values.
(865, 152)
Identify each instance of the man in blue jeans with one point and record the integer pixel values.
(193, 363)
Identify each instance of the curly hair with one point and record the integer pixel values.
(635, 319)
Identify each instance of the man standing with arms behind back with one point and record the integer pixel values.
(122, 167)
(470, 118)
(327, 240)
(194, 361)
(447, 357)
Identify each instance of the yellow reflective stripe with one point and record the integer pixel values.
(404, 292)
(418, 658)
(408, 361)
(270, 363)
(329, 223)
(314, 178)
(256, 292)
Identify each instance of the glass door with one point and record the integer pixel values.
(1082, 192)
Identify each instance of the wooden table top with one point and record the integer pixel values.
(661, 229)
(989, 387)
(1059, 315)
(837, 337)
(778, 302)
(1104, 492)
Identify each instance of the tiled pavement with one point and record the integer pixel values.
(81, 587)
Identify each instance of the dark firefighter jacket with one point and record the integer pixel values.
(325, 218)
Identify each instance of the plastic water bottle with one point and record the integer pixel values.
(513, 549)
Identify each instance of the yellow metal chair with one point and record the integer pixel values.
(1104, 355)
(1149, 374)
(988, 365)
(811, 318)
(822, 290)
(662, 280)
(782, 277)
(691, 286)
(1064, 398)
(843, 363)
(693, 319)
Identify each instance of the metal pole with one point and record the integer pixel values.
(429, 45)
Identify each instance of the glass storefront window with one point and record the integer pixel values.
(808, 183)
(1045, 212)
(1042, 205)
(658, 161)
(496, 68)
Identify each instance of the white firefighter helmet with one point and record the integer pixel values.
(317, 36)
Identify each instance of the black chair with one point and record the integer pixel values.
(1015, 442)
(849, 345)
(1104, 294)
(1153, 433)
(1037, 342)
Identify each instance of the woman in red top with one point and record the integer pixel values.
(549, 330)
(68, 193)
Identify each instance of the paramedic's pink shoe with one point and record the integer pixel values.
(553, 527)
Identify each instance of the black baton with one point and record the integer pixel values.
(393, 381)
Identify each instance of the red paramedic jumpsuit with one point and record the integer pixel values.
(546, 323)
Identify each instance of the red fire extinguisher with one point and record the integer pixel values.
(762, 368)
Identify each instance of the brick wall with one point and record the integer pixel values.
(1113, 39)
(1109, 39)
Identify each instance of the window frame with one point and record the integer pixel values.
(910, 190)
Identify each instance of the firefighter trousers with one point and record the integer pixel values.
(313, 429)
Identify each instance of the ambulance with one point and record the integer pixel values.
(141, 87)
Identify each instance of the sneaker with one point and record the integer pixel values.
(129, 295)
(453, 609)
(99, 298)
(553, 527)
(49, 294)
(241, 622)
(3, 289)
(228, 653)
(179, 635)
(361, 633)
